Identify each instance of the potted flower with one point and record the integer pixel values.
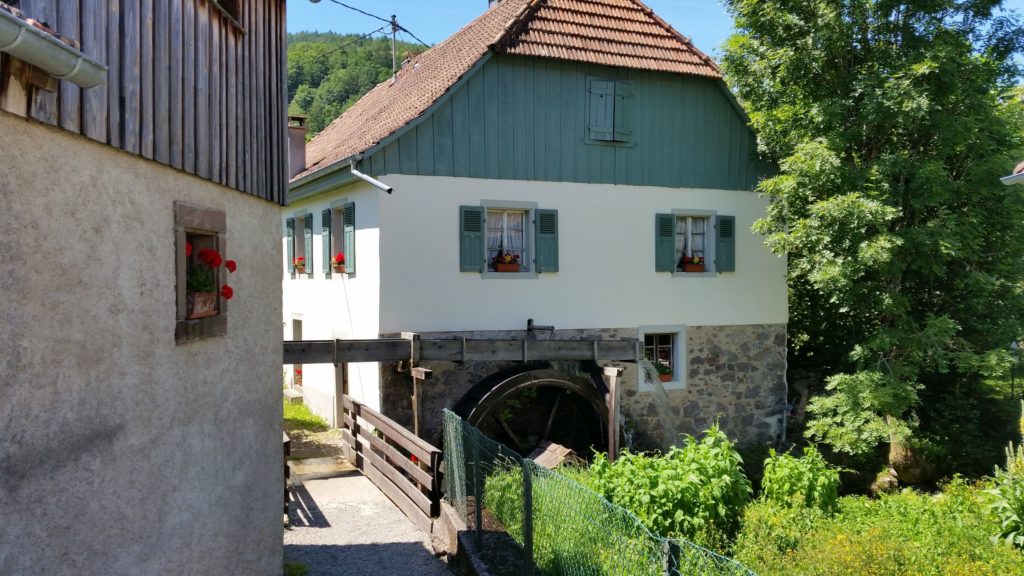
(338, 263)
(506, 262)
(201, 282)
(299, 265)
(664, 371)
(693, 264)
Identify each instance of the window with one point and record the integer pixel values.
(609, 110)
(338, 234)
(683, 242)
(665, 349)
(508, 237)
(299, 245)
(201, 309)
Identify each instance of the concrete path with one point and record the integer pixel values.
(346, 526)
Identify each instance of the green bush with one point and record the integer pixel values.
(808, 481)
(696, 492)
(1009, 493)
(905, 534)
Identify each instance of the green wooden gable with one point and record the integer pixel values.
(523, 118)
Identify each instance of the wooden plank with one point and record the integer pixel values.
(273, 145)
(397, 459)
(400, 482)
(131, 52)
(161, 29)
(224, 76)
(477, 121)
(259, 57)
(94, 43)
(396, 432)
(425, 147)
(460, 131)
(176, 62)
(506, 121)
(147, 68)
(444, 146)
(386, 350)
(70, 96)
(115, 112)
(231, 143)
(189, 23)
(43, 105)
(392, 158)
(395, 494)
(202, 129)
(215, 74)
(322, 351)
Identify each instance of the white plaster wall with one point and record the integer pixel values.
(120, 451)
(344, 306)
(606, 266)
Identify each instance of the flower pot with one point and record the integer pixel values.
(300, 269)
(339, 268)
(506, 266)
(665, 377)
(693, 267)
(201, 305)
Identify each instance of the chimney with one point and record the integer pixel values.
(296, 145)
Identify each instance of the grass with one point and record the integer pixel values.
(300, 417)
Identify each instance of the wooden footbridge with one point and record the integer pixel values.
(402, 465)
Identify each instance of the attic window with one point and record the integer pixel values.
(609, 110)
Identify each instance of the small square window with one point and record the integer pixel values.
(199, 257)
(660, 350)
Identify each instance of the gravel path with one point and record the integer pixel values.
(346, 526)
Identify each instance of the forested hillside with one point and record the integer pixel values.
(328, 72)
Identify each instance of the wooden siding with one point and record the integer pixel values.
(523, 118)
(186, 86)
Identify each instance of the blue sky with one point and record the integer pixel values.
(704, 21)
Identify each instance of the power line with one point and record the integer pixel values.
(361, 11)
(406, 30)
(391, 22)
(342, 47)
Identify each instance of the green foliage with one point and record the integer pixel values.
(328, 72)
(300, 417)
(696, 491)
(801, 482)
(1009, 493)
(891, 123)
(905, 534)
(295, 569)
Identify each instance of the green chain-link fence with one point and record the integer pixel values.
(561, 527)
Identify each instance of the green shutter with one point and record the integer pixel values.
(546, 230)
(471, 239)
(601, 118)
(725, 250)
(623, 111)
(664, 243)
(289, 240)
(325, 236)
(307, 233)
(348, 220)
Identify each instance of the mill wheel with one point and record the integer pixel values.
(538, 406)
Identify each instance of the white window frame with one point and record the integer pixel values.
(528, 239)
(710, 242)
(679, 366)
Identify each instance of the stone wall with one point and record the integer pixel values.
(735, 374)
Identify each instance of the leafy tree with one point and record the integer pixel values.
(328, 72)
(891, 122)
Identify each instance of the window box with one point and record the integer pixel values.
(201, 305)
(506, 267)
(693, 267)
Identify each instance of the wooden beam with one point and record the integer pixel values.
(390, 350)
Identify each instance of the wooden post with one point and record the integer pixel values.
(478, 511)
(340, 387)
(611, 379)
(527, 516)
(418, 375)
(670, 550)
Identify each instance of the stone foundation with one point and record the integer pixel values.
(735, 375)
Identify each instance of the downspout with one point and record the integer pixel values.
(368, 179)
(29, 44)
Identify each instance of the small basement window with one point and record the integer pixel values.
(201, 293)
(664, 348)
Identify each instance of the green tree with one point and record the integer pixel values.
(891, 122)
(328, 72)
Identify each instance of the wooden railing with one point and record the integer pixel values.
(402, 465)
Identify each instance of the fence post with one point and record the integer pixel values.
(527, 515)
(670, 549)
(478, 510)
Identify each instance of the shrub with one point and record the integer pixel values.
(808, 481)
(908, 533)
(1009, 493)
(697, 491)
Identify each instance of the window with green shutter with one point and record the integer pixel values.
(546, 228)
(348, 222)
(326, 242)
(726, 244)
(609, 110)
(514, 239)
(684, 243)
(307, 234)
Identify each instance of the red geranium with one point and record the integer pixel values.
(231, 266)
(339, 258)
(210, 257)
(226, 292)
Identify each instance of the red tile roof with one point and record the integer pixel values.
(622, 33)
